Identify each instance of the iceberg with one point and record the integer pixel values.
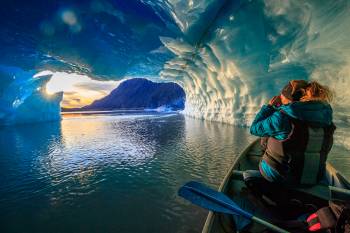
(23, 98)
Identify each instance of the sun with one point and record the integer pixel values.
(78, 90)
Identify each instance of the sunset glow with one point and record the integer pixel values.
(79, 90)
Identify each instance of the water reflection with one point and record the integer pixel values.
(111, 172)
(23, 185)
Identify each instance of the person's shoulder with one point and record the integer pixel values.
(310, 104)
(281, 116)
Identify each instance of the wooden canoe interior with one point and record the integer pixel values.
(233, 184)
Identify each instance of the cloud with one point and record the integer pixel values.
(79, 90)
(69, 93)
(96, 86)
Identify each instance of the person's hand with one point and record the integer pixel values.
(275, 101)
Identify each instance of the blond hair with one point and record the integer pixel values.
(317, 92)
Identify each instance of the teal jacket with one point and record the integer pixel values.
(275, 121)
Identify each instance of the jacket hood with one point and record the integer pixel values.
(316, 112)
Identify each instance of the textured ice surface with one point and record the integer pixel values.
(229, 56)
(23, 98)
(252, 48)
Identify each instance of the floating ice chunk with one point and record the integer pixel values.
(23, 98)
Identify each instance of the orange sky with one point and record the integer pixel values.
(79, 90)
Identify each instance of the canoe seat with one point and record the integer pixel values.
(327, 192)
(237, 175)
(339, 194)
(321, 191)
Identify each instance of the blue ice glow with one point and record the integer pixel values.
(252, 48)
(23, 97)
(229, 56)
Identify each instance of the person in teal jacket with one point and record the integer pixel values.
(295, 126)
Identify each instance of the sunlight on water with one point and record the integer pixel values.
(111, 172)
(116, 172)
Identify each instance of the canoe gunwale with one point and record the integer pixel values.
(211, 215)
(319, 191)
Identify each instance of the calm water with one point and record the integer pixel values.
(112, 172)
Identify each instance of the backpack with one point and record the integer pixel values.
(334, 218)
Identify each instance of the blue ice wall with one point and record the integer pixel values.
(23, 98)
(105, 39)
(252, 48)
(229, 56)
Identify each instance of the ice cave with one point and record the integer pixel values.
(229, 56)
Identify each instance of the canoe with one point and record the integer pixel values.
(234, 186)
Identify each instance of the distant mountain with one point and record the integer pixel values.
(141, 93)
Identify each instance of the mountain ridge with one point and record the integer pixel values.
(139, 93)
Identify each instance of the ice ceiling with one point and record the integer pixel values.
(229, 56)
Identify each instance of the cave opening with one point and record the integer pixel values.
(81, 92)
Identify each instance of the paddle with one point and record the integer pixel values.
(210, 199)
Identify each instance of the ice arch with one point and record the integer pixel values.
(250, 49)
(229, 56)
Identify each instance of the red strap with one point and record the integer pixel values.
(322, 219)
(314, 224)
(312, 216)
(315, 227)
